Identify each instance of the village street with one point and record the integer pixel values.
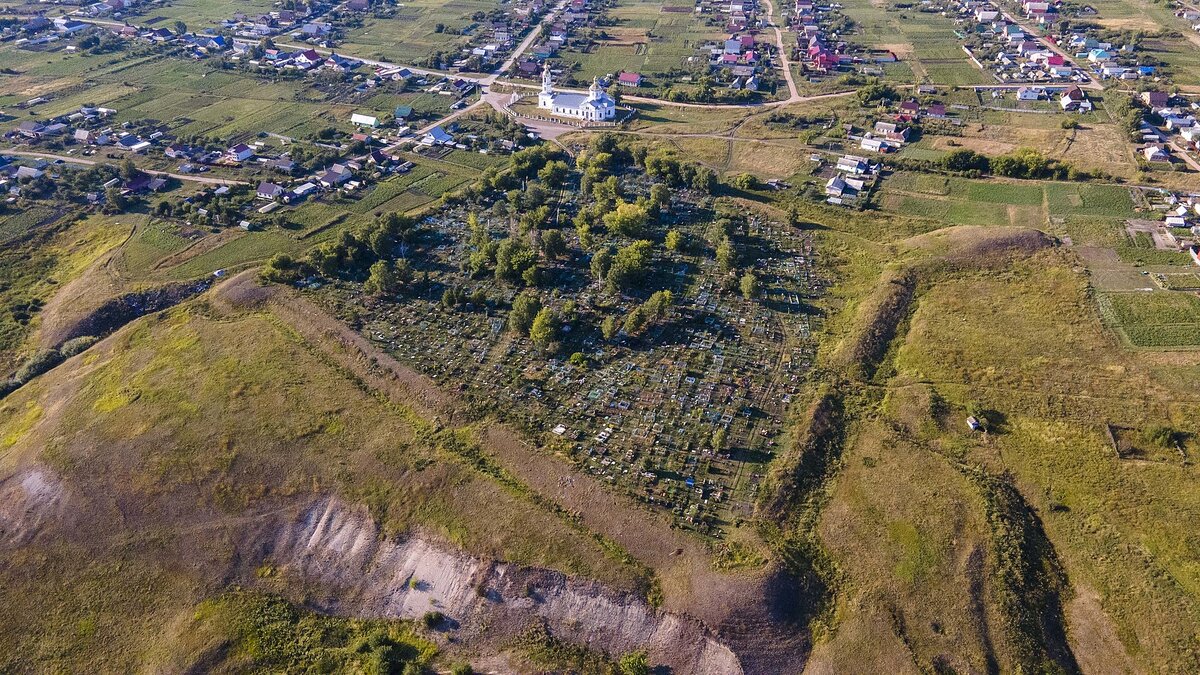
(209, 180)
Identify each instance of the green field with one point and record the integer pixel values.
(974, 202)
(152, 242)
(408, 33)
(925, 41)
(1157, 319)
(648, 36)
(1081, 199)
(194, 99)
(248, 248)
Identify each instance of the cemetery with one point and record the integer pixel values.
(673, 388)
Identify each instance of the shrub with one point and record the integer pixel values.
(37, 364)
(634, 663)
(433, 619)
(77, 345)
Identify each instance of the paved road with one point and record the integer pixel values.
(209, 180)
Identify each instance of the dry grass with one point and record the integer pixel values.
(204, 418)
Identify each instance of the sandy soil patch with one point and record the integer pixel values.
(1094, 637)
(902, 50)
(984, 146)
(1130, 23)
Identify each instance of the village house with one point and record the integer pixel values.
(335, 175)
(1074, 99)
(30, 129)
(626, 79)
(269, 190)
(1030, 93)
(843, 187)
(240, 152)
(1155, 153)
(891, 131)
(853, 164)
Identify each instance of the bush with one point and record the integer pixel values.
(77, 345)
(8, 386)
(634, 663)
(744, 181)
(1159, 436)
(433, 619)
(39, 363)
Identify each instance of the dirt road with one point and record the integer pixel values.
(208, 180)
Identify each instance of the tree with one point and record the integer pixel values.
(660, 196)
(514, 258)
(965, 160)
(656, 306)
(544, 328)
(704, 180)
(628, 219)
(554, 245)
(282, 269)
(745, 181)
(554, 173)
(726, 255)
(648, 312)
(602, 262)
(749, 285)
(606, 193)
(609, 327)
(180, 28)
(719, 439)
(636, 320)
(114, 201)
(129, 170)
(387, 278)
(630, 265)
(674, 241)
(525, 309)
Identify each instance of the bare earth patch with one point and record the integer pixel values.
(1094, 638)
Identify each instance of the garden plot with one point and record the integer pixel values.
(411, 34)
(1154, 319)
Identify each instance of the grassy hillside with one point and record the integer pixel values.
(194, 423)
(40, 250)
(1031, 545)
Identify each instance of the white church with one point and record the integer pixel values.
(595, 106)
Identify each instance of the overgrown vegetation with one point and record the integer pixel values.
(268, 633)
